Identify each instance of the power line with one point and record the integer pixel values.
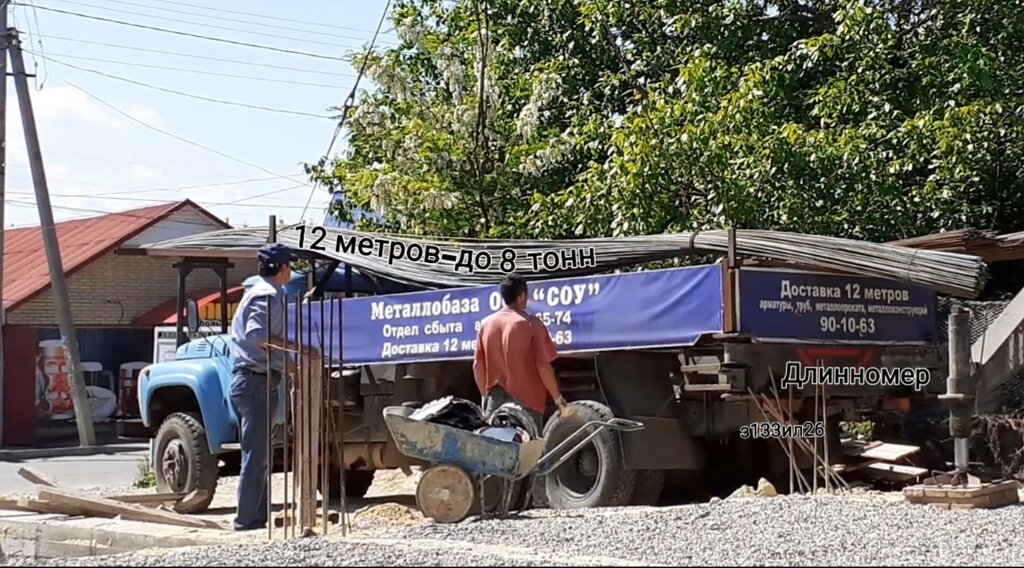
(135, 190)
(179, 138)
(203, 57)
(148, 165)
(210, 26)
(211, 73)
(197, 36)
(188, 13)
(131, 214)
(255, 15)
(184, 94)
(239, 203)
(348, 102)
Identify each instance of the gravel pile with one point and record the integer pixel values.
(787, 530)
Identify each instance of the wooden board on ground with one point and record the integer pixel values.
(879, 450)
(128, 511)
(48, 508)
(893, 472)
(35, 477)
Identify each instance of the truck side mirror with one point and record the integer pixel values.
(192, 315)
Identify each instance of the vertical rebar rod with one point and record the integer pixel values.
(325, 402)
(298, 482)
(309, 518)
(286, 428)
(792, 456)
(343, 518)
(824, 419)
(270, 424)
(815, 462)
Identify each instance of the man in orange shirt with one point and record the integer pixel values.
(513, 356)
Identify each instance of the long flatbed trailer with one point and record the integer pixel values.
(692, 353)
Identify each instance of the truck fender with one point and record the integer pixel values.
(202, 378)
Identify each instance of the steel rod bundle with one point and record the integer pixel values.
(952, 273)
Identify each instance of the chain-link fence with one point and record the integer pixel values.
(1011, 392)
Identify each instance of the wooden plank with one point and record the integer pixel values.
(854, 448)
(889, 452)
(35, 477)
(147, 498)
(10, 504)
(894, 472)
(50, 508)
(127, 511)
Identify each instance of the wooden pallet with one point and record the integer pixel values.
(988, 496)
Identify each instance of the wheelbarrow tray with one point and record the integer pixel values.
(440, 444)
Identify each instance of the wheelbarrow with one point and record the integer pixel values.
(461, 460)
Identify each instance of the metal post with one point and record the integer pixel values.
(3, 199)
(960, 386)
(83, 414)
(272, 230)
(222, 274)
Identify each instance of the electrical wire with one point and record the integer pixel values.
(202, 57)
(129, 163)
(129, 190)
(180, 138)
(350, 100)
(133, 213)
(183, 70)
(192, 35)
(255, 15)
(198, 15)
(240, 203)
(211, 26)
(184, 94)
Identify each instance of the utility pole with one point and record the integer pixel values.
(83, 413)
(3, 198)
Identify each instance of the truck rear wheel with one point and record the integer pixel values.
(183, 460)
(649, 485)
(596, 476)
(357, 483)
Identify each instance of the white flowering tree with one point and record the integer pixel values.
(875, 119)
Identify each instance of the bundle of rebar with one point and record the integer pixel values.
(951, 273)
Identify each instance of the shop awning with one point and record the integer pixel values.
(207, 301)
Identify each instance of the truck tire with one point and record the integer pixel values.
(183, 460)
(596, 476)
(357, 483)
(649, 485)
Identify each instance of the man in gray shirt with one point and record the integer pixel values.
(261, 310)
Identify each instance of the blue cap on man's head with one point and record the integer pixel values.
(274, 255)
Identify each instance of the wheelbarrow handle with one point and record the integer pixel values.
(544, 467)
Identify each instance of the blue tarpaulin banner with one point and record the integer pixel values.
(659, 308)
(811, 306)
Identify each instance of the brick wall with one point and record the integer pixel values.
(116, 289)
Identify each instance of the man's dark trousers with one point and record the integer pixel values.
(249, 398)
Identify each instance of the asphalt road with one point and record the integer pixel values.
(102, 470)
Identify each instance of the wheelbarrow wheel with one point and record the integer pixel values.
(446, 493)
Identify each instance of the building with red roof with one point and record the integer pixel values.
(118, 296)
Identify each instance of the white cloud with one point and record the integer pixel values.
(144, 174)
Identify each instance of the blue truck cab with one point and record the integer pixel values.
(187, 403)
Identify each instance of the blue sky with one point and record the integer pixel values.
(98, 160)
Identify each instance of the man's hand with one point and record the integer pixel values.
(564, 410)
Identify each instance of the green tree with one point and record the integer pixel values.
(871, 119)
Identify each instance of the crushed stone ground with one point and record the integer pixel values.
(867, 529)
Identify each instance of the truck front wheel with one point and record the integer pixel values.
(183, 460)
(596, 476)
